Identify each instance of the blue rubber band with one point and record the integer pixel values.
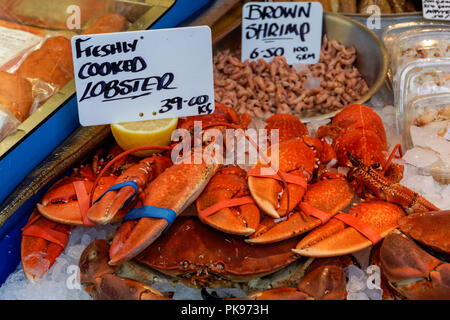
(152, 212)
(118, 186)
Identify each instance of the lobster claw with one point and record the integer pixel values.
(105, 209)
(60, 203)
(228, 185)
(42, 242)
(328, 195)
(175, 189)
(336, 238)
(294, 158)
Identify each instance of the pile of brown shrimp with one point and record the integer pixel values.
(263, 89)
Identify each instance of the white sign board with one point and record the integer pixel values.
(143, 75)
(436, 9)
(289, 29)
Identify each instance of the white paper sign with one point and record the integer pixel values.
(289, 29)
(436, 9)
(143, 75)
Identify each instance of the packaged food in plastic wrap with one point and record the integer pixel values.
(8, 123)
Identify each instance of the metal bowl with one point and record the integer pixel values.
(371, 55)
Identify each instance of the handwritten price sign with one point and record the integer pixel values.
(143, 75)
(436, 9)
(289, 29)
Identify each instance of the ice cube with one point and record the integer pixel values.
(420, 157)
(357, 296)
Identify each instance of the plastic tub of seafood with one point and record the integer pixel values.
(310, 92)
(420, 78)
(38, 135)
(410, 41)
(427, 135)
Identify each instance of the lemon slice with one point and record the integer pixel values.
(131, 135)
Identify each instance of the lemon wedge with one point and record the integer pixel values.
(131, 135)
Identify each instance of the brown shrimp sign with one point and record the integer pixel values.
(289, 29)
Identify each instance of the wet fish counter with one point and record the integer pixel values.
(360, 191)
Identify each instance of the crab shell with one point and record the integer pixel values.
(190, 250)
(431, 229)
(200, 253)
(412, 272)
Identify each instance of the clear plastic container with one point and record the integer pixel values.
(410, 41)
(418, 45)
(392, 32)
(426, 124)
(420, 78)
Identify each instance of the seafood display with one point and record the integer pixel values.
(222, 226)
(265, 88)
(291, 189)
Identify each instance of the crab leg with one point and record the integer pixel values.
(325, 280)
(176, 188)
(328, 195)
(107, 207)
(101, 282)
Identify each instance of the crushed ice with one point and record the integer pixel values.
(363, 285)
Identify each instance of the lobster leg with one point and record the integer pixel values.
(176, 188)
(104, 210)
(388, 191)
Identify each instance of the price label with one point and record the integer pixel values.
(289, 29)
(143, 75)
(436, 9)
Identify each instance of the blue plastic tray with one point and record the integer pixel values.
(18, 162)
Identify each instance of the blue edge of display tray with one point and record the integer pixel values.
(21, 160)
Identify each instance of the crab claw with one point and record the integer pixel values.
(431, 229)
(38, 254)
(229, 183)
(60, 203)
(105, 209)
(295, 158)
(335, 238)
(329, 195)
(413, 272)
(99, 279)
(176, 188)
(325, 280)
